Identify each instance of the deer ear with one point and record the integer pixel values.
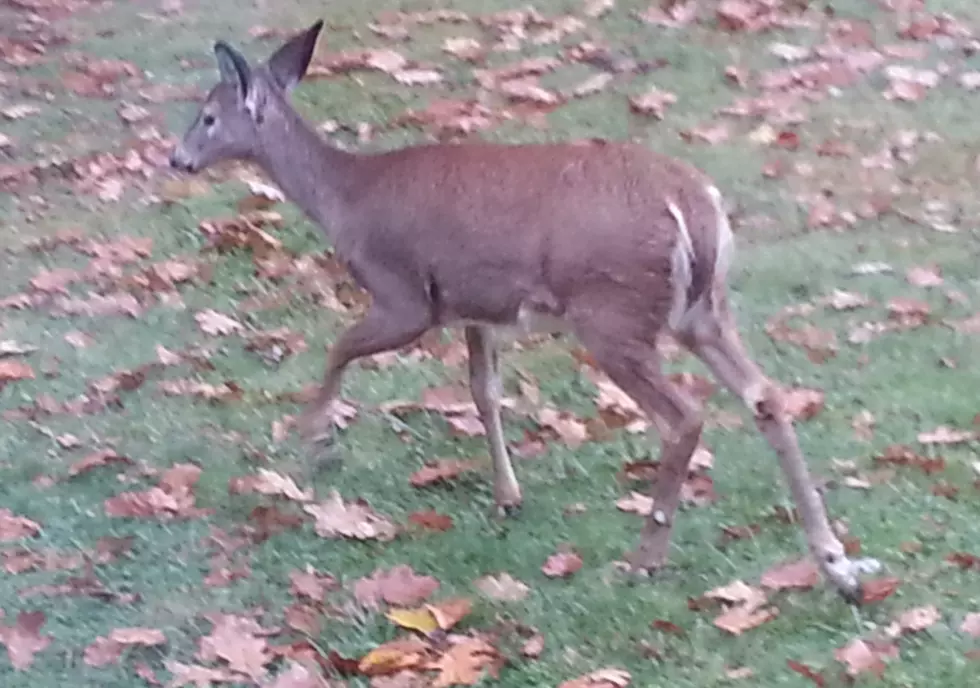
(234, 68)
(288, 64)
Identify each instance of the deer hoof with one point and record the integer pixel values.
(509, 510)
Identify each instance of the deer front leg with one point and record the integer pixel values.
(716, 342)
(382, 329)
(486, 388)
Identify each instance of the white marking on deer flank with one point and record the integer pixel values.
(681, 268)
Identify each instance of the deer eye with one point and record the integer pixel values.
(209, 120)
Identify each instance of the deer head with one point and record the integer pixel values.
(245, 104)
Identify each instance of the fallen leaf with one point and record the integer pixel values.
(863, 424)
(394, 656)
(946, 435)
(270, 483)
(298, 675)
(102, 457)
(569, 429)
(16, 527)
(441, 470)
(502, 587)
(218, 324)
(802, 404)
(311, 584)
(913, 620)
(13, 370)
(235, 640)
(803, 670)
(431, 520)
(594, 84)
(533, 646)
(336, 518)
(465, 663)
(399, 585)
(878, 589)
(971, 624)
(562, 564)
(202, 677)
(610, 677)
(802, 574)
(463, 48)
(861, 657)
(637, 503)
(653, 103)
(24, 639)
(925, 277)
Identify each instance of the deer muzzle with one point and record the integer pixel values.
(179, 160)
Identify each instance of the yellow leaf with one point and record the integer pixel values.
(393, 656)
(420, 619)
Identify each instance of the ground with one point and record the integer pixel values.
(855, 283)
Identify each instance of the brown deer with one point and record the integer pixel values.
(609, 242)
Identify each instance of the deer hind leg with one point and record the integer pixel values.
(382, 329)
(486, 388)
(712, 336)
(635, 367)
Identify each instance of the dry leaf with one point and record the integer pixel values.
(653, 103)
(878, 589)
(465, 663)
(235, 639)
(399, 585)
(602, 678)
(336, 518)
(533, 646)
(861, 657)
(431, 520)
(270, 483)
(16, 527)
(802, 404)
(971, 624)
(637, 503)
(913, 621)
(218, 324)
(24, 639)
(562, 564)
(801, 575)
(946, 435)
(13, 370)
(441, 470)
(502, 587)
(919, 276)
(311, 583)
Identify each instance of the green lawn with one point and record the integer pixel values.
(856, 179)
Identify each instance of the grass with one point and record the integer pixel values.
(594, 619)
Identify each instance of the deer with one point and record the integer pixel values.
(609, 242)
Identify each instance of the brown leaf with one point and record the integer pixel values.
(594, 84)
(24, 639)
(569, 429)
(908, 313)
(802, 574)
(609, 677)
(861, 657)
(463, 48)
(336, 518)
(971, 624)
(394, 656)
(653, 103)
(103, 457)
(807, 672)
(235, 640)
(919, 276)
(913, 620)
(441, 470)
(16, 527)
(399, 585)
(636, 502)
(820, 345)
(562, 564)
(298, 675)
(218, 324)
(527, 90)
(431, 520)
(270, 483)
(946, 435)
(878, 589)
(802, 404)
(863, 424)
(533, 646)
(102, 652)
(465, 663)
(743, 617)
(201, 677)
(13, 370)
(311, 583)
(502, 587)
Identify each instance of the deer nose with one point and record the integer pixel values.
(179, 161)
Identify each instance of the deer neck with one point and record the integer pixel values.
(310, 172)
